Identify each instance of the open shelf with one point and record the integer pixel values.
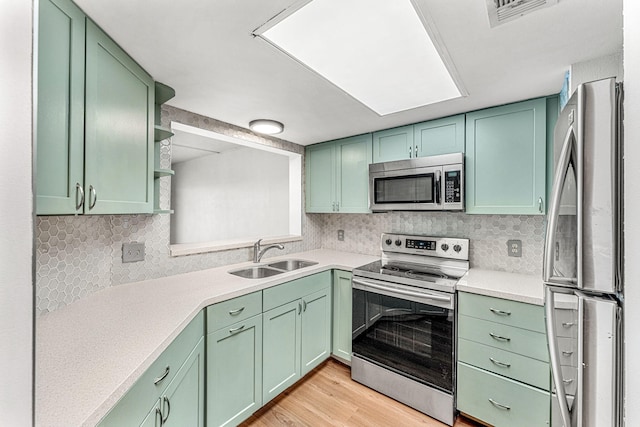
(163, 172)
(163, 93)
(161, 133)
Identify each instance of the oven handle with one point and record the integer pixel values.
(402, 292)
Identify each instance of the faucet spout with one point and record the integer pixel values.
(258, 251)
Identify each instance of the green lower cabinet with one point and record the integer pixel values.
(154, 418)
(342, 295)
(234, 372)
(315, 329)
(296, 335)
(499, 401)
(280, 349)
(182, 404)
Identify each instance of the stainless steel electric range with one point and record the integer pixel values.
(404, 321)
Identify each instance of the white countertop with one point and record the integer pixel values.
(91, 352)
(512, 286)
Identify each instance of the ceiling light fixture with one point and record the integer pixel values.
(382, 53)
(268, 127)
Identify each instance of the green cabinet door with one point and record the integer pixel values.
(119, 143)
(60, 107)
(442, 136)
(505, 159)
(182, 404)
(320, 176)
(337, 175)
(280, 349)
(393, 144)
(315, 329)
(353, 156)
(154, 417)
(342, 295)
(234, 372)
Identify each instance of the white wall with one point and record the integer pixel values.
(632, 209)
(16, 225)
(596, 69)
(241, 193)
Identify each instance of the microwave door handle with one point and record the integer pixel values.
(438, 187)
(567, 157)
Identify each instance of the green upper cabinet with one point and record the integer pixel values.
(119, 134)
(337, 175)
(442, 136)
(505, 159)
(94, 133)
(393, 144)
(60, 108)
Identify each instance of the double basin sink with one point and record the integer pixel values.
(272, 268)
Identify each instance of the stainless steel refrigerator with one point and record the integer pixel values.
(582, 267)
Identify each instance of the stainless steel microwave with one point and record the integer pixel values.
(422, 184)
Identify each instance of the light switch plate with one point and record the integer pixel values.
(132, 252)
(514, 248)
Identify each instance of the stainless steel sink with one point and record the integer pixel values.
(271, 269)
(291, 264)
(257, 272)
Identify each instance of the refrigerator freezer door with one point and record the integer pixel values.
(601, 362)
(588, 326)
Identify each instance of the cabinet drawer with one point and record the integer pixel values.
(521, 368)
(500, 401)
(295, 289)
(513, 313)
(143, 394)
(228, 312)
(515, 340)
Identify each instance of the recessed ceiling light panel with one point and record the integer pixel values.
(378, 51)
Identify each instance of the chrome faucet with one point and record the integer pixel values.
(258, 251)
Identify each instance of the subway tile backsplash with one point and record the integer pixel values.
(79, 255)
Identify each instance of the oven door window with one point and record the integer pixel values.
(405, 189)
(410, 338)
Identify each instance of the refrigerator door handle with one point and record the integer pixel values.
(567, 157)
(554, 356)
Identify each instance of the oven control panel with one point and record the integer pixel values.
(444, 247)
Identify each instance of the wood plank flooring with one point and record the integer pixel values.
(328, 397)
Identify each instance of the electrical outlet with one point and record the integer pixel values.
(514, 248)
(132, 252)
(341, 235)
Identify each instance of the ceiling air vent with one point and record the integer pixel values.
(501, 11)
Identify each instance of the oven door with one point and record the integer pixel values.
(406, 189)
(405, 329)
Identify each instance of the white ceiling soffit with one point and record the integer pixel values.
(382, 53)
(501, 11)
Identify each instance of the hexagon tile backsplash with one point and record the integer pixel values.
(79, 255)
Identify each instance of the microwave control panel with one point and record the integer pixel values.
(452, 186)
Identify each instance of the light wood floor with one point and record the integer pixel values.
(328, 397)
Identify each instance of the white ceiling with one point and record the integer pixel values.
(204, 49)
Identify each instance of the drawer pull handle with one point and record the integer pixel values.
(498, 337)
(500, 312)
(236, 311)
(568, 324)
(163, 376)
(236, 330)
(567, 353)
(499, 363)
(499, 405)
